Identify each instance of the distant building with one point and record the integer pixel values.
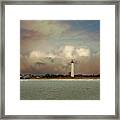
(72, 68)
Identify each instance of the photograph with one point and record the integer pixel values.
(59, 59)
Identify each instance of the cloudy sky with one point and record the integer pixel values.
(48, 46)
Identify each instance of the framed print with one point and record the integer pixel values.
(60, 60)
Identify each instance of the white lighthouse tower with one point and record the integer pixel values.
(72, 68)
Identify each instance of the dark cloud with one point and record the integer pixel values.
(29, 34)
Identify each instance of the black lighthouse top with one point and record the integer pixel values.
(72, 61)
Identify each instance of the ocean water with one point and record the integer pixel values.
(60, 89)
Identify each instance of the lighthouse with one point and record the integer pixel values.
(72, 68)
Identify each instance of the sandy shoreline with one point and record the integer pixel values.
(59, 79)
